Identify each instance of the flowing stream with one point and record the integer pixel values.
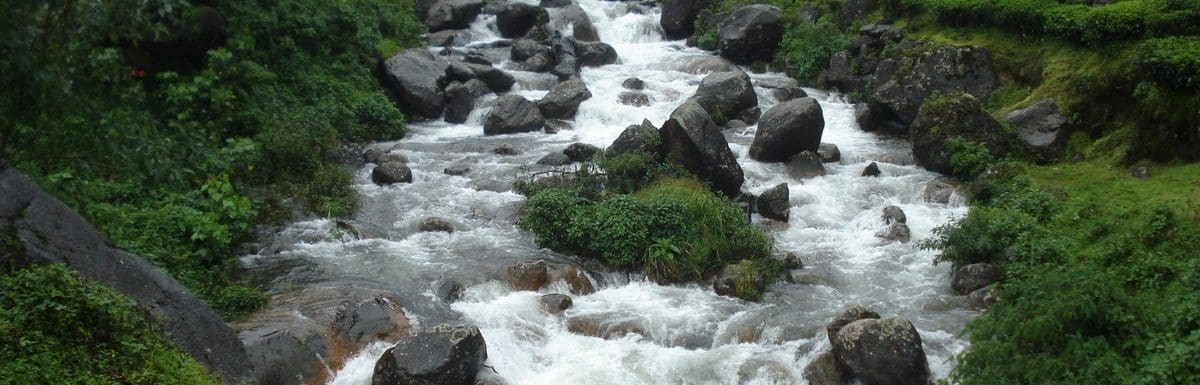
(686, 333)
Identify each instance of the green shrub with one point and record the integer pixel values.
(969, 159)
(1171, 61)
(58, 329)
(806, 48)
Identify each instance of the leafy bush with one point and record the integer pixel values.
(969, 159)
(806, 47)
(1171, 61)
(58, 329)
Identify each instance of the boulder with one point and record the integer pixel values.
(539, 62)
(414, 77)
(582, 27)
(749, 115)
(562, 102)
(506, 150)
(452, 14)
(44, 231)
(983, 298)
(787, 129)
(461, 98)
(953, 116)
(867, 119)
(824, 370)
(893, 214)
(750, 33)
(707, 65)
(829, 152)
(782, 88)
(852, 11)
(393, 155)
(635, 99)
(435, 224)
(512, 114)
(882, 351)
(514, 19)
(872, 170)
(457, 169)
(496, 79)
(581, 152)
(774, 203)
(555, 303)
(740, 280)
(636, 138)
(595, 54)
(973, 277)
(851, 314)
(444, 355)
(633, 84)
(725, 94)
(566, 62)
(905, 83)
(477, 57)
(555, 3)
(679, 17)
(895, 232)
(524, 49)
(538, 274)
(554, 159)
(938, 190)
(1040, 128)
(804, 165)
(391, 173)
(736, 124)
(692, 139)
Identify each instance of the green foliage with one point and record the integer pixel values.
(806, 47)
(1171, 61)
(969, 159)
(1080, 22)
(58, 329)
(665, 261)
(745, 281)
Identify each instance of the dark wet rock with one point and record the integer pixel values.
(939, 190)
(736, 124)
(566, 62)
(435, 224)
(882, 351)
(526, 48)
(679, 17)
(636, 138)
(371, 155)
(496, 79)
(749, 115)
(750, 33)
(747, 198)
(553, 126)
(555, 3)
(581, 152)
(540, 62)
(806, 164)
(635, 99)
(774, 203)
(513, 114)
(898, 232)
(866, 119)
(983, 298)
(514, 19)
(829, 153)
(562, 102)
(415, 77)
(905, 83)
(595, 54)
(973, 277)
(852, 11)
(582, 27)
(451, 38)
(461, 99)
(953, 116)
(1040, 128)
(708, 65)
(692, 139)
(633, 84)
(391, 173)
(872, 170)
(725, 94)
(44, 231)
(782, 89)
(824, 370)
(444, 355)
(528, 276)
(393, 156)
(476, 57)
(304, 334)
(452, 14)
(554, 159)
(506, 150)
(742, 274)
(457, 169)
(893, 214)
(851, 314)
(598, 327)
(556, 303)
(787, 129)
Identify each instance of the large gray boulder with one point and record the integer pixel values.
(496, 79)
(562, 102)
(882, 352)
(566, 62)
(905, 83)
(724, 95)
(48, 232)
(595, 54)
(513, 114)
(973, 277)
(461, 98)
(524, 49)
(452, 14)
(391, 173)
(1040, 129)
(953, 116)
(415, 78)
(515, 19)
(805, 165)
(787, 129)
(692, 139)
(774, 203)
(443, 355)
(750, 33)
(679, 17)
(824, 370)
(636, 138)
(581, 152)
(582, 27)
(851, 314)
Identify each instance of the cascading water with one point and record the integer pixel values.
(681, 334)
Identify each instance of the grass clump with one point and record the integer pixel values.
(58, 329)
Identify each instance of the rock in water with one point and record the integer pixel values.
(872, 170)
(556, 303)
(829, 152)
(896, 232)
(805, 165)
(774, 204)
(824, 370)
(633, 84)
(554, 159)
(750, 33)
(724, 95)
(452, 14)
(562, 102)
(636, 138)
(953, 116)
(524, 49)
(635, 99)
(515, 19)
(391, 173)
(595, 54)
(893, 214)
(581, 152)
(973, 277)
(882, 352)
(693, 140)
(679, 17)
(434, 224)
(415, 77)
(740, 280)
(787, 129)
(444, 355)
(851, 314)
(513, 114)
(460, 99)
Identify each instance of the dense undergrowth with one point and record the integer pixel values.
(635, 212)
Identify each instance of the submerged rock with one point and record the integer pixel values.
(829, 153)
(973, 277)
(555, 303)
(805, 165)
(435, 224)
(872, 170)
